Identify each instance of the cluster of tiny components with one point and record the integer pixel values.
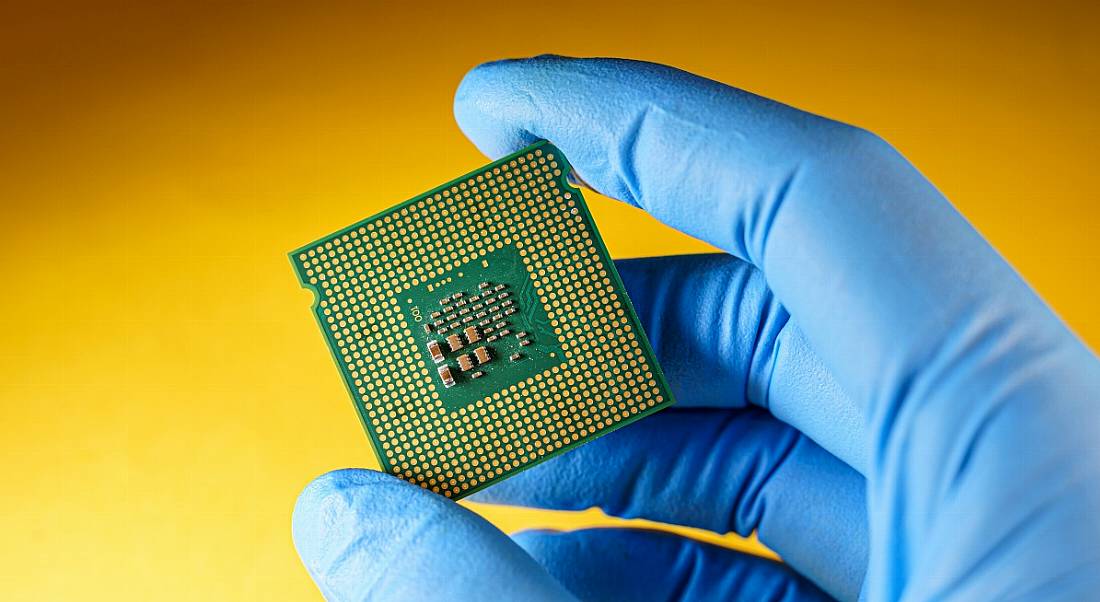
(481, 316)
(606, 377)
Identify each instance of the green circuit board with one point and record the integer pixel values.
(481, 327)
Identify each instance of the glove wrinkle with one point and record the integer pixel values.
(615, 564)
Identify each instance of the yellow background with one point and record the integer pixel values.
(164, 390)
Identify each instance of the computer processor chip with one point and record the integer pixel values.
(481, 327)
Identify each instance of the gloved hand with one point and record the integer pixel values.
(863, 381)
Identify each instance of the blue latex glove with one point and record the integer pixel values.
(863, 380)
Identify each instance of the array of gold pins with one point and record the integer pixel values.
(603, 379)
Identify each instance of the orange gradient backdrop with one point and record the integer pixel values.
(164, 390)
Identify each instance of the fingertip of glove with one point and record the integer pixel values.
(337, 486)
(340, 504)
(503, 70)
(320, 504)
(497, 104)
(487, 81)
(487, 108)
